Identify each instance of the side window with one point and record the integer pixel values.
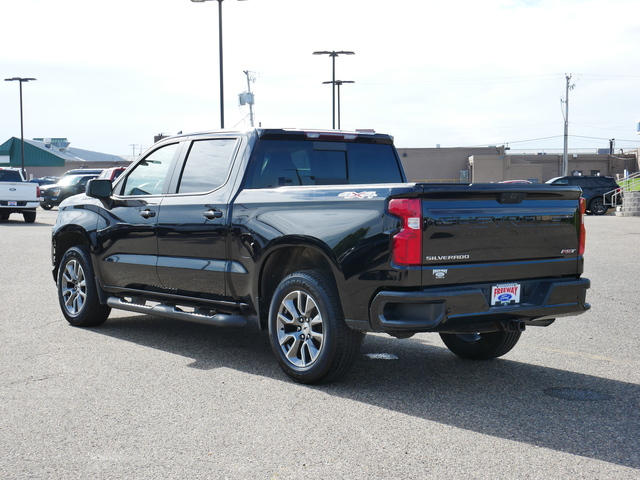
(207, 165)
(83, 181)
(148, 176)
(605, 182)
(576, 181)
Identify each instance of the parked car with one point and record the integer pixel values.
(112, 173)
(53, 195)
(596, 190)
(44, 180)
(17, 195)
(83, 171)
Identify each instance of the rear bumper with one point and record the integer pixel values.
(18, 205)
(468, 309)
(5, 210)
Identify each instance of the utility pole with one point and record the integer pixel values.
(248, 97)
(565, 156)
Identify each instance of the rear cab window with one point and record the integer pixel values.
(277, 163)
(10, 176)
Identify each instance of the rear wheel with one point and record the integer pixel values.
(597, 206)
(480, 346)
(29, 217)
(307, 331)
(77, 292)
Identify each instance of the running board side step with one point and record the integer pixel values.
(198, 315)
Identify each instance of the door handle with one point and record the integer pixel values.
(212, 213)
(147, 213)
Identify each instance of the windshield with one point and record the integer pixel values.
(558, 181)
(70, 180)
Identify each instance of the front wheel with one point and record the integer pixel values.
(77, 292)
(598, 207)
(480, 346)
(307, 331)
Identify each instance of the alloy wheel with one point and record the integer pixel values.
(74, 287)
(300, 329)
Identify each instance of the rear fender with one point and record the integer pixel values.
(288, 255)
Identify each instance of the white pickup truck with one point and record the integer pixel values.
(17, 195)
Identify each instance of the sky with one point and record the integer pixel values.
(454, 73)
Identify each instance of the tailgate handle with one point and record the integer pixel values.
(512, 197)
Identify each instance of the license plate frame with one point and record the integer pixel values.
(505, 294)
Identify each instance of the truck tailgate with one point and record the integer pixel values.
(480, 233)
(18, 192)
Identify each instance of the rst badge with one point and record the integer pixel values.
(505, 294)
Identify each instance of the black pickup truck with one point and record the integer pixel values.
(316, 237)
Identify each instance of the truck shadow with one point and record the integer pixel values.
(19, 222)
(544, 407)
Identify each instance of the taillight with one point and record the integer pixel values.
(407, 243)
(38, 191)
(582, 232)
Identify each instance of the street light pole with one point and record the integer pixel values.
(333, 54)
(220, 56)
(221, 64)
(338, 83)
(21, 80)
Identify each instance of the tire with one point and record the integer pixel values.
(597, 206)
(307, 331)
(46, 207)
(4, 216)
(480, 346)
(29, 217)
(77, 293)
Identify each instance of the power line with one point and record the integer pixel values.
(601, 138)
(618, 140)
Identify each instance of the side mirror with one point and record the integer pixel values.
(100, 189)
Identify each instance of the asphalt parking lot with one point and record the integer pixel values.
(142, 397)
